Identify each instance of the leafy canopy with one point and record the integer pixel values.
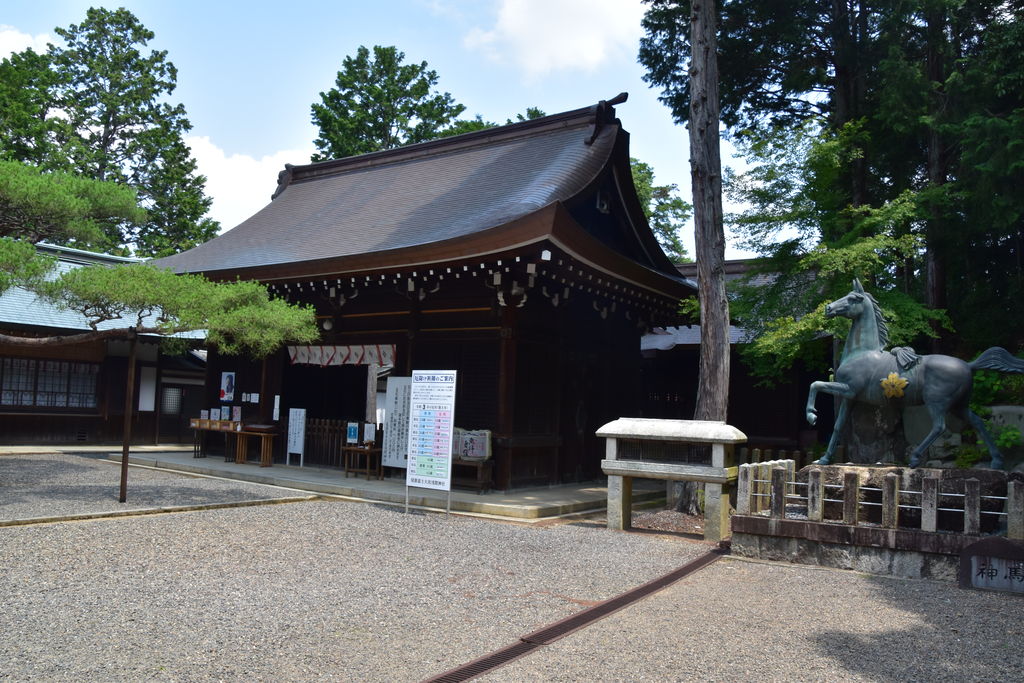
(665, 210)
(380, 103)
(882, 141)
(57, 206)
(236, 316)
(137, 298)
(97, 106)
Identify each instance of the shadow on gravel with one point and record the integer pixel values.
(958, 635)
(26, 471)
(139, 495)
(62, 484)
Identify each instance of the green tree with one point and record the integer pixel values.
(870, 128)
(461, 126)
(380, 103)
(138, 298)
(665, 210)
(30, 129)
(60, 207)
(97, 106)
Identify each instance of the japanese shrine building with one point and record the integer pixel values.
(518, 256)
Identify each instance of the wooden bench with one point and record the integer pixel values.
(481, 481)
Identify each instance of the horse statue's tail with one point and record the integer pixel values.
(999, 359)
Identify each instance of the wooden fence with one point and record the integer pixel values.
(772, 487)
(324, 441)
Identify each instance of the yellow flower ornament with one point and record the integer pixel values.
(893, 385)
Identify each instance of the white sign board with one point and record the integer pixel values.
(431, 423)
(296, 432)
(396, 422)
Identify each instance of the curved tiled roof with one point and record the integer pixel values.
(414, 196)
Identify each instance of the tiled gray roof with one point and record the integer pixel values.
(20, 307)
(418, 195)
(666, 338)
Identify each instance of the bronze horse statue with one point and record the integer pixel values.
(870, 374)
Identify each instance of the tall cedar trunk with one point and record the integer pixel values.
(848, 34)
(706, 175)
(935, 296)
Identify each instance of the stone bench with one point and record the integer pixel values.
(677, 450)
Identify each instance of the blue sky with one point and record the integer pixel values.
(249, 71)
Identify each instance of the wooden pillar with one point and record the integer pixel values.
(129, 400)
(158, 404)
(371, 393)
(506, 395)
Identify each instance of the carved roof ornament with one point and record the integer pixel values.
(284, 179)
(604, 112)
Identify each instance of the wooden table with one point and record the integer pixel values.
(241, 435)
(266, 447)
(368, 456)
(202, 426)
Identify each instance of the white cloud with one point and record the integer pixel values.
(543, 36)
(239, 184)
(12, 40)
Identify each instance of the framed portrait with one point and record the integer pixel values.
(227, 386)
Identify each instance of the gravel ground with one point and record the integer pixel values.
(54, 485)
(302, 591)
(345, 591)
(741, 621)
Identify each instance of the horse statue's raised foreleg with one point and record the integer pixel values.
(843, 391)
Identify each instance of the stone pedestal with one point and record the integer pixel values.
(718, 506)
(620, 502)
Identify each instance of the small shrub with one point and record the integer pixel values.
(1006, 437)
(969, 455)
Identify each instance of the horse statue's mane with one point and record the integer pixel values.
(883, 327)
